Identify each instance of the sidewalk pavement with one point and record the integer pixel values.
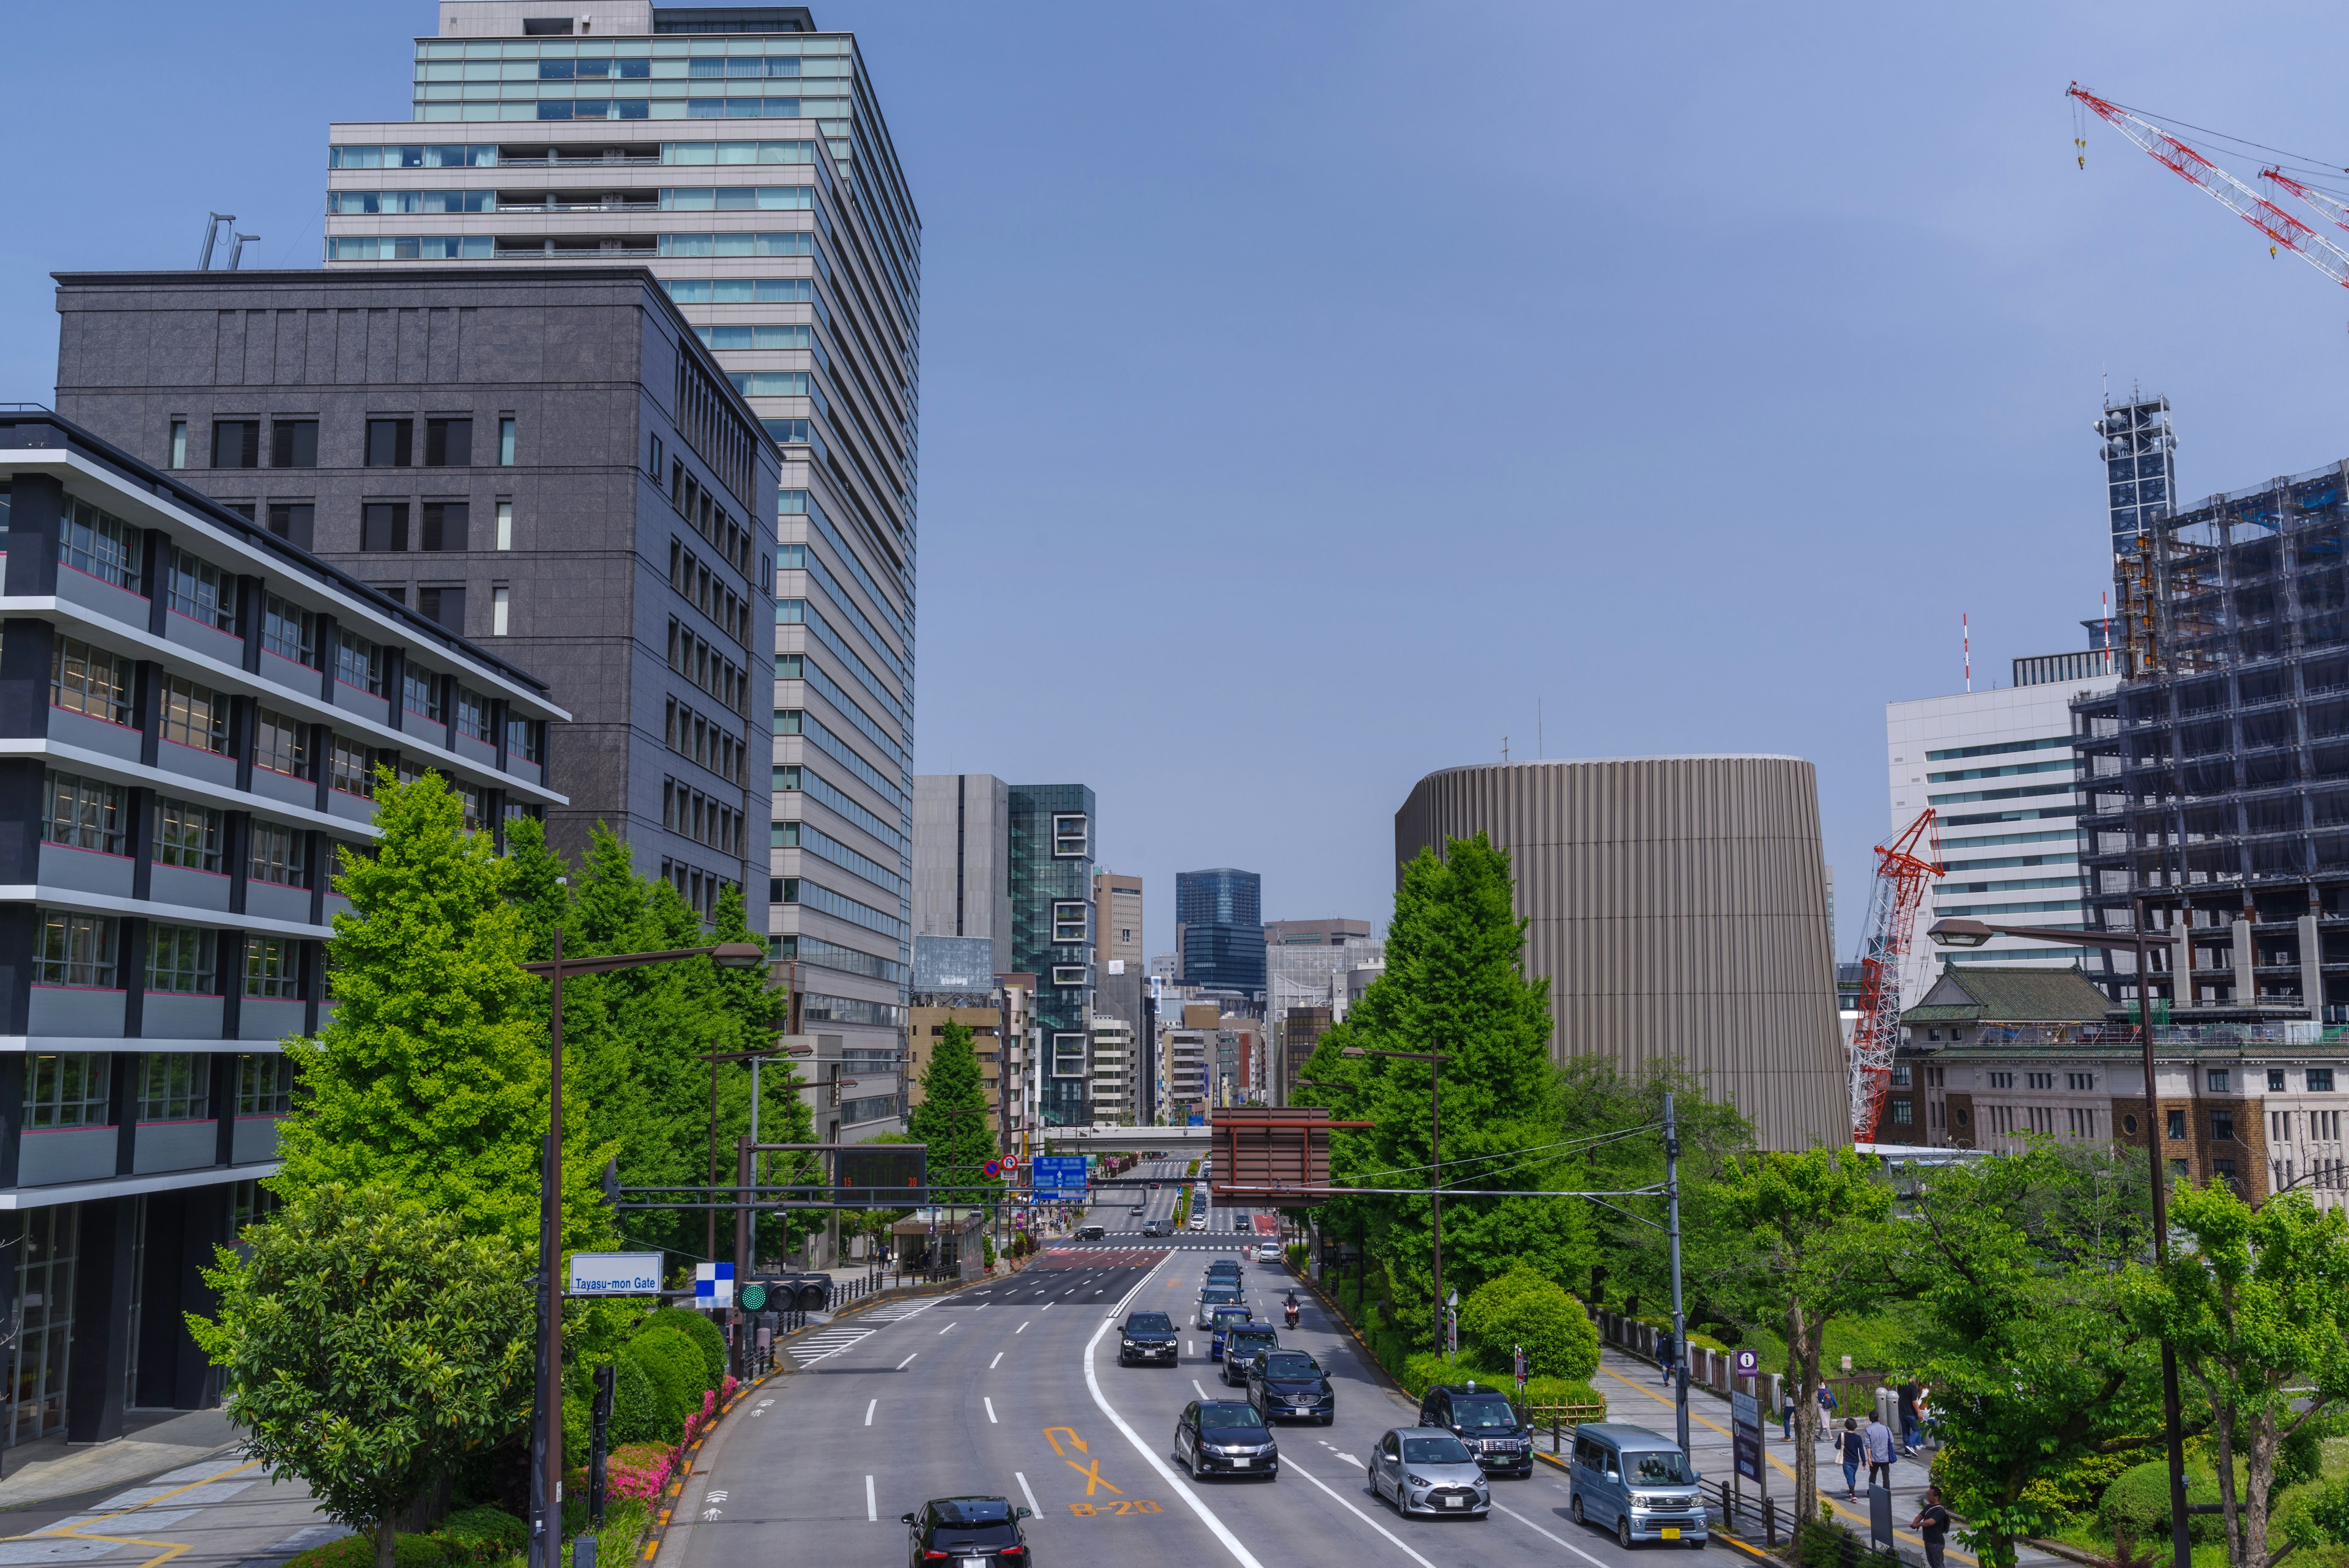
(48, 1469)
(1636, 1394)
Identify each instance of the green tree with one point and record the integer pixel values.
(1455, 983)
(2258, 1310)
(954, 1120)
(430, 1075)
(369, 1343)
(1804, 1238)
(1523, 1308)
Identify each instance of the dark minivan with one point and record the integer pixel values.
(1147, 1336)
(966, 1529)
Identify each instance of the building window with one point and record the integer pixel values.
(443, 607)
(2175, 1126)
(1904, 1112)
(1070, 976)
(447, 443)
(174, 1087)
(85, 814)
(203, 592)
(2224, 1170)
(506, 524)
(289, 631)
(347, 768)
(525, 740)
(447, 526)
(1900, 1074)
(264, 1084)
(1069, 921)
(499, 612)
(195, 716)
(2320, 1080)
(652, 463)
(179, 958)
(506, 441)
(358, 663)
(67, 1090)
(270, 970)
(2275, 1080)
(2222, 1127)
(276, 855)
(1071, 837)
(91, 681)
(2082, 1081)
(1068, 1055)
(293, 443)
(179, 443)
(296, 522)
(2215, 1079)
(281, 743)
(100, 544)
(187, 835)
(76, 951)
(389, 443)
(237, 443)
(473, 714)
(383, 526)
(420, 691)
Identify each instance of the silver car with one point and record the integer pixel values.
(1426, 1470)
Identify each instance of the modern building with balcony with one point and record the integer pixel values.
(192, 710)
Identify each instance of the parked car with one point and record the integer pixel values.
(1242, 1345)
(1221, 1321)
(1212, 1299)
(984, 1529)
(1290, 1383)
(1483, 1419)
(1147, 1336)
(1426, 1470)
(1224, 1436)
(1637, 1481)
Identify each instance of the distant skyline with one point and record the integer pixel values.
(1687, 373)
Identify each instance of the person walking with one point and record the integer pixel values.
(1664, 1355)
(1906, 1392)
(1926, 1425)
(1786, 1413)
(1855, 1451)
(1880, 1453)
(1933, 1526)
(1827, 1413)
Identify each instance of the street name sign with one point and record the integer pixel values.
(615, 1273)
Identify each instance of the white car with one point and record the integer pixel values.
(1268, 1254)
(1198, 1220)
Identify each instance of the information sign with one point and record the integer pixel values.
(1056, 1173)
(1746, 1434)
(615, 1273)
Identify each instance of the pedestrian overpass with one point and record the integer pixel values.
(1124, 1140)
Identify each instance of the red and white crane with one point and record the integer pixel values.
(1901, 874)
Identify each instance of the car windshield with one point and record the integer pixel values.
(1249, 1340)
(1288, 1364)
(1220, 1293)
(1483, 1415)
(1443, 1450)
(1658, 1467)
(1229, 1317)
(1223, 1417)
(1149, 1322)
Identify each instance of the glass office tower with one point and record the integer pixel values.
(739, 154)
(1220, 915)
(1051, 859)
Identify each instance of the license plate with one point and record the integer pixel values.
(1456, 1502)
(1241, 1464)
(1304, 1409)
(975, 1562)
(1670, 1532)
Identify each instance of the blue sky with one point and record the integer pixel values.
(1309, 391)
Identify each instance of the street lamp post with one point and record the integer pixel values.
(1434, 1060)
(1963, 933)
(546, 1444)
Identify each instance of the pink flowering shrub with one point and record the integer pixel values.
(638, 1470)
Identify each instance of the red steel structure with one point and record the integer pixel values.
(1901, 874)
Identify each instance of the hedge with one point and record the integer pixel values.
(674, 1363)
(706, 1335)
(2138, 1502)
(1524, 1307)
(482, 1535)
(635, 1404)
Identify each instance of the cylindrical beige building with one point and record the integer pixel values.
(1679, 908)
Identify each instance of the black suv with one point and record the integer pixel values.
(1146, 1337)
(1289, 1383)
(1243, 1344)
(1091, 1232)
(1484, 1420)
(967, 1529)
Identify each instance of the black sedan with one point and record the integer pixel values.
(1244, 1344)
(966, 1529)
(1147, 1336)
(1288, 1384)
(1225, 1437)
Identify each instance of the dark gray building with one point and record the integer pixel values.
(190, 710)
(541, 457)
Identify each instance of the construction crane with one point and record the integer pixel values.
(2283, 230)
(1901, 874)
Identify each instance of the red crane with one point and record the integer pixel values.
(1901, 874)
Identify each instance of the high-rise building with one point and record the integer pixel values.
(740, 154)
(1328, 933)
(955, 981)
(1306, 966)
(1117, 918)
(1219, 929)
(480, 446)
(193, 711)
(1116, 1071)
(962, 859)
(1051, 860)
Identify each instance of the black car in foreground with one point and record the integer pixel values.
(1147, 1336)
(1483, 1419)
(1288, 1384)
(966, 1529)
(1225, 1437)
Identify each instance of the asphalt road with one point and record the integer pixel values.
(1012, 1388)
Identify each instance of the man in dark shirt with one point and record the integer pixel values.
(1906, 1392)
(1933, 1526)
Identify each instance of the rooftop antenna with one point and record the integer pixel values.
(212, 235)
(1505, 748)
(1541, 747)
(1966, 640)
(236, 252)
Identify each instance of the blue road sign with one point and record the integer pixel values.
(1056, 1173)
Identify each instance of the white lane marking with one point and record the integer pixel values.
(905, 1364)
(1194, 1383)
(1537, 1530)
(1031, 1496)
(1047, 1306)
(948, 1329)
(1190, 1349)
(990, 1409)
(872, 1514)
(1365, 1518)
(869, 1403)
(1240, 1553)
(990, 1365)
(1023, 1327)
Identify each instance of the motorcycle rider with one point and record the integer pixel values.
(1291, 1306)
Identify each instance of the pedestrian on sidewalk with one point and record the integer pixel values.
(1928, 1428)
(1880, 1453)
(1664, 1355)
(1933, 1526)
(1827, 1413)
(1855, 1451)
(1786, 1413)
(1907, 1391)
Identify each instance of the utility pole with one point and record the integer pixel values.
(1680, 1319)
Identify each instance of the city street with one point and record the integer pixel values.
(1014, 1388)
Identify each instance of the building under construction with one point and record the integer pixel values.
(2216, 776)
